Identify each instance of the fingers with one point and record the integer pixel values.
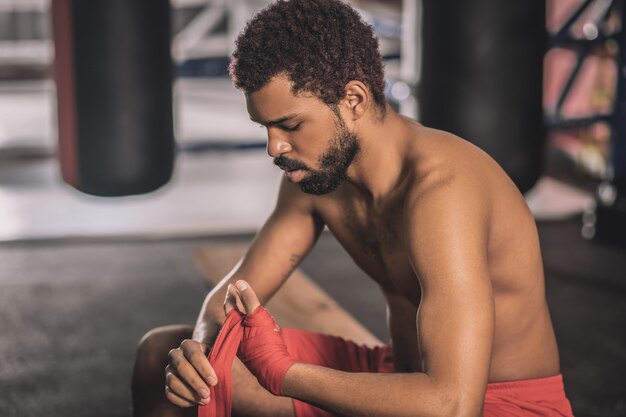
(195, 353)
(247, 295)
(188, 373)
(185, 372)
(180, 393)
(177, 400)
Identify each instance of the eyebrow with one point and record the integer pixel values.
(276, 121)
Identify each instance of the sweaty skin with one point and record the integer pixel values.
(437, 224)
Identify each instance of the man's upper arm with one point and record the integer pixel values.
(448, 251)
(288, 235)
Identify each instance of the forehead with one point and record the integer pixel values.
(276, 100)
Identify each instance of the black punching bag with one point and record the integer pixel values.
(114, 85)
(482, 76)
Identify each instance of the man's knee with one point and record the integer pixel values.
(154, 346)
(148, 382)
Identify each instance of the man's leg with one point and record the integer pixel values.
(148, 385)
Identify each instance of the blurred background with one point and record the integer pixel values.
(124, 148)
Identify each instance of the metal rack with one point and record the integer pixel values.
(582, 48)
(606, 220)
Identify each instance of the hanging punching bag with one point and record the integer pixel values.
(482, 78)
(114, 85)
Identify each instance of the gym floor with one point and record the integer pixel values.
(78, 290)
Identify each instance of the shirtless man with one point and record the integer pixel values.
(430, 217)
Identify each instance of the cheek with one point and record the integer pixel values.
(312, 142)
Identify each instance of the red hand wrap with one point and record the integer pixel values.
(221, 359)
(263, 350)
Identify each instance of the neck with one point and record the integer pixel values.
(379, 168)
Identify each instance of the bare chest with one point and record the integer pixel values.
(376, 241)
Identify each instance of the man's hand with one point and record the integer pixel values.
(241, 291)
(262, 348)
(189, 374)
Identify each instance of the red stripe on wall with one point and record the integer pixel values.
(66, 97)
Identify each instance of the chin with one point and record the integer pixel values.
(319, 189)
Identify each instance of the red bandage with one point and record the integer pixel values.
(263, 350)
(257, 341)
(221, 359)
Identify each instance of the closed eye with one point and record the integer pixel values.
(283, 127)
(291, 128)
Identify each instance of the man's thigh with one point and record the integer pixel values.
(336, 353)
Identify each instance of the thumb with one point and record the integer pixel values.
(247, 295)
(230, 303)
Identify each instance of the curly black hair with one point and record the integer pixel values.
(320, 45)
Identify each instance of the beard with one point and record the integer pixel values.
(334, 163)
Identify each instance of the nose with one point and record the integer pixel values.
(277, 145)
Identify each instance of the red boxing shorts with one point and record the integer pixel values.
(541, 397)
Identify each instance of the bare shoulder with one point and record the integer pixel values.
(453, 182)
(450, 169)
(461, 196)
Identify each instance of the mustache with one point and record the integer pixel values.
(289, 164)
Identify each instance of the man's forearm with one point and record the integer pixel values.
(369, 394)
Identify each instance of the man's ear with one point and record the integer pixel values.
(357, 99)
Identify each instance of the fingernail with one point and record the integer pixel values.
(205, 393)
(212, 381)
(241, 285)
